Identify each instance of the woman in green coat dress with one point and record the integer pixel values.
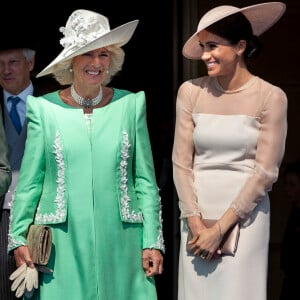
(88, 173)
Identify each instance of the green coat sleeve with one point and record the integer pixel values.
(145, 181)
(30, 181)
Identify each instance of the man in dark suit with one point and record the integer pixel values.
(16, 65)
(5, 171)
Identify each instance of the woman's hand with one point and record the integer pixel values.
(22, 255)
(206, 243)
(25, 277)
(152, 262)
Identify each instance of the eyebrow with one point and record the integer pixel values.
(208, 42)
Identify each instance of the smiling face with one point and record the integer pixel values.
(221, 58)
(15, 70)
(91, 67)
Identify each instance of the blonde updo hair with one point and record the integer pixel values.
(62, 72)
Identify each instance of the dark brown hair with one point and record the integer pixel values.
(237, 27)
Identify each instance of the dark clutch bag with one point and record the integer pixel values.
(230, 239)
(39, 240)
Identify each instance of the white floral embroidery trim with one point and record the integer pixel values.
(125, 199)
(59, 200)
(160, 243)
(12, 242)
(127, 215)
(60, 212)
(82, 30)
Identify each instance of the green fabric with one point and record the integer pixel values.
(95, 255)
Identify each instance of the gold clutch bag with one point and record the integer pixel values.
(39, 240)
(230, 239)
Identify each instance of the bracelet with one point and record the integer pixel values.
(220, 231)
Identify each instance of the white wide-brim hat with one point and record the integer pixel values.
(86, 31)
(261, 16)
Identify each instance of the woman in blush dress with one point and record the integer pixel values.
(229, 142)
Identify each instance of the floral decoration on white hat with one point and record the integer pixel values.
(86, 31)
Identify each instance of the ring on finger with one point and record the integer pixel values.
(203, 254)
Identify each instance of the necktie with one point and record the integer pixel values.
(14, 113)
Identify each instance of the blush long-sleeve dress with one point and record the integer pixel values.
(92, 180)
(227, 151)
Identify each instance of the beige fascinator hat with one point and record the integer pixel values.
(86, 31)
(261, 16)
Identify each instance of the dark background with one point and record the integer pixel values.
(154, 63)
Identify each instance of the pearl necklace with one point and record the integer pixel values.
(87, 103)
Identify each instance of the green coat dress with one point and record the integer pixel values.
(94, 183)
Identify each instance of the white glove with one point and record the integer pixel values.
(31, 279)
(18, 277)
(25, 280)
(20, 290)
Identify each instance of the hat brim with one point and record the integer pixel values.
(261, 16)
(118, 36)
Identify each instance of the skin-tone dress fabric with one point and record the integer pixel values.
(227, 151)
(94, 184)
